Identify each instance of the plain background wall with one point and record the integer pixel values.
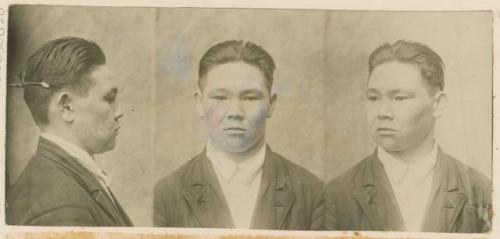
(321, 59)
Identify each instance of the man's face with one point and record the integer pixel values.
(235, 105)
(96, 115)
(400, 109)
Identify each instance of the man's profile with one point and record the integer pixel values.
(238, 181)
(409, 183)
(73, 102)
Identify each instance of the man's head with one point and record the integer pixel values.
(234, 96)
(79, 101)
(404, 94)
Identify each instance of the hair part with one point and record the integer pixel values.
(237, 50)
(63, 63)
(429, 63)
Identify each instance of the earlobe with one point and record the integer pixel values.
(439, 104)
(271, 106)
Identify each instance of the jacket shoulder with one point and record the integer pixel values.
(345, 183)
(298, 172)
(472, 180)
(43, 186)
(178, 177)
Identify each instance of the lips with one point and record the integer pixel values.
(385, 131)
(235, 129)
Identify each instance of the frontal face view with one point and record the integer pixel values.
(235, 104)
(238, 181)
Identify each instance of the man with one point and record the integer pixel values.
(74, 104)
(238, 181)
(409, 183)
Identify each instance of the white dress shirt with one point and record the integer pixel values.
(240, 182)
(411, 183)
(83, 158)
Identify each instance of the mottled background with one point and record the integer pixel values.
(321, 59)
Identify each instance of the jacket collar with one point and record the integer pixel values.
(204, 194)
(84, 177)
(448, 196)
(374, 193)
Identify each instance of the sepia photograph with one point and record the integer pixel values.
(249, 119)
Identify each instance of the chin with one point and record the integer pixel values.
(235, 149)
(388, 145)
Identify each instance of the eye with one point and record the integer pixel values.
(401, 98)
(110, 98)
(372, 98)
(250, 98)
(219, 97)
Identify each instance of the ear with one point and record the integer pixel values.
(65, 107)
(198, 95)
(272, 103)
(440, 100)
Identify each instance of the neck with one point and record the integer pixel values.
(415, 153)
(240, 157)
(66, 135)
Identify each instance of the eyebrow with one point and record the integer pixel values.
(217, 90)
(371, 90)
(398, 91)
(251, 91)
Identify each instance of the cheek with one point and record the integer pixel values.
(214, 114)
(419, 120)
(102, 116)
(257, 114)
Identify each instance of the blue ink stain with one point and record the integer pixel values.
(175, 61)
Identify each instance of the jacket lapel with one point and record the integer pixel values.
(204, 195)
(375, 196)
(448, 197)
(276, 195)
(81, 174)
(124, 218)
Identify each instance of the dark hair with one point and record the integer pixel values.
(429, 62)
(233, 50)
(63, 63)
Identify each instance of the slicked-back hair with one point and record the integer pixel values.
(233, 51)
(63, 63)
(429, 63)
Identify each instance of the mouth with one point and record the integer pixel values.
(385, 131)
(117, 130)
(234, 129)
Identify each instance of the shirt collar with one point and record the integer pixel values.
(81, 155)
(226, 167)
(396, 169)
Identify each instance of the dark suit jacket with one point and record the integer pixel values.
(55, 190)
(362, 199)
(290, 197)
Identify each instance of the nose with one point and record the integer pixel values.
(235, 111)
(385, 110)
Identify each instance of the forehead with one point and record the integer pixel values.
(100, 77)
(234, 76)
(396, 75)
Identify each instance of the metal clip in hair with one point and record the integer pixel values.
(23, 83)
